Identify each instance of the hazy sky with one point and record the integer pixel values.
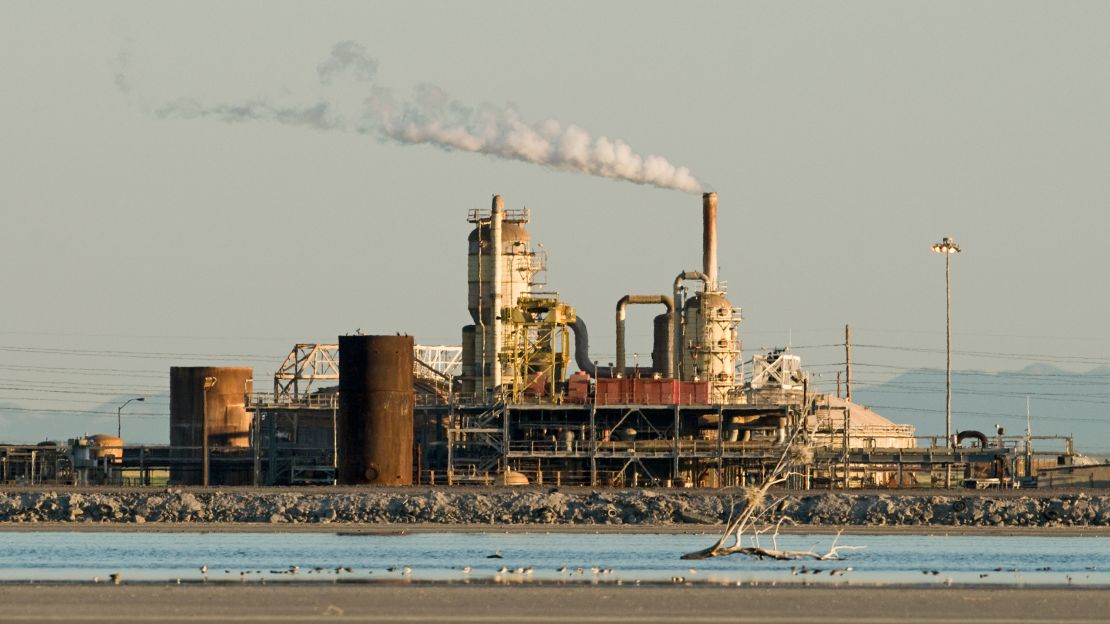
(843, 139)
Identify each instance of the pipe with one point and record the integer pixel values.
(582, 352)
(497, 213)
(972, 435)
(709, 239)
(622, 306)
(582, 348)
(678, 328)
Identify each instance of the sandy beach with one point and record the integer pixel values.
(485, 603)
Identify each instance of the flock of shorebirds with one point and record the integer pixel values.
(595, 571)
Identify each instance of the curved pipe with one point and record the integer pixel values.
(622, 307)
(974, 435)
(582, 348)
(582, 354)
(677, 329)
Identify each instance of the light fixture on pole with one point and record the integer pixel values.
(119, 415)
(948, 246)
(209, 383)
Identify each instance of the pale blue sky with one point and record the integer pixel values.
(843, 139)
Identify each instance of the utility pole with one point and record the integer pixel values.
(848, 361)
(209, 383)
(948, 246)
(119, 417)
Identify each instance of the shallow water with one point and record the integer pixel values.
(255, 557)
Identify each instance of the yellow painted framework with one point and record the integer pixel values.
(536, 345)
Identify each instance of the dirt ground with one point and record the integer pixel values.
(545, 603)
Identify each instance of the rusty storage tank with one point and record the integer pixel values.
(376, 400)
(229, 423)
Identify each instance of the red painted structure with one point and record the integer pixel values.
(638, 391)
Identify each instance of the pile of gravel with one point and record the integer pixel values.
(525, 506)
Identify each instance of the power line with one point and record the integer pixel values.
(994, 354)
(76, 411)
(137, 354)
(992, 414)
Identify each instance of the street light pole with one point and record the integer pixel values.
(119, 416)
(209, 383)
(948, 246)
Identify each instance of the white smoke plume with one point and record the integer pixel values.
(431, 117)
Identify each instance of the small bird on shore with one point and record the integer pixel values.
(466, 570)
(204, 569)
(406, 570)
(115, 578)
(502, 570)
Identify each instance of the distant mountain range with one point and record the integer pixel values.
(1061, 403)
(143, 423)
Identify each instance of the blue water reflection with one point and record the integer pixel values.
(255, 557)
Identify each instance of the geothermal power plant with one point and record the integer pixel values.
(520, 400)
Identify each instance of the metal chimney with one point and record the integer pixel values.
(709, 239)
(497, 216)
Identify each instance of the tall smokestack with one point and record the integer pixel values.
(709, 239)
(497, 215)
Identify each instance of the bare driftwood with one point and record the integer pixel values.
(757, 511)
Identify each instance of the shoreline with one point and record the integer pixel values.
(601, 604)
(396, 529)
(548, 584)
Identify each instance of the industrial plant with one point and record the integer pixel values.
(521, 401)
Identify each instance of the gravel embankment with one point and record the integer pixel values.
(522, 507)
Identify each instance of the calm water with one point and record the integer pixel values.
(632, 557)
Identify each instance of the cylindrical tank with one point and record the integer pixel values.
(662, 344)
(711, 344)
(103, 445)
(468, 368)
(224, 406)
(375, 420)
(518, 268)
